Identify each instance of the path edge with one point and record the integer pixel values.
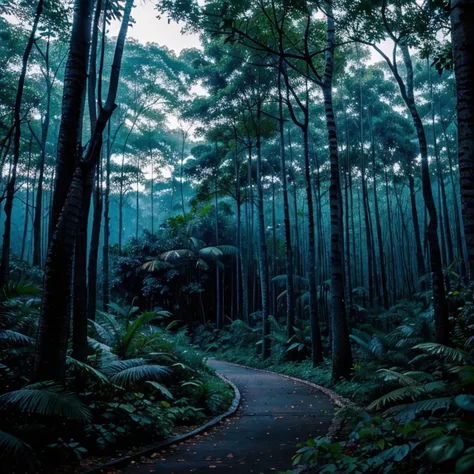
(338, 400)
(118, 462)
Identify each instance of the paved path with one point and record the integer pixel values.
(276, 414)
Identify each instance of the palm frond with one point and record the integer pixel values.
(444, 352)
(407, 412)
(161, 388)
(364, 345)
(176, 256)
(46, 399)
(9, 336)
(140, 373)
(14, 451)
(397, 395)
(155, 265)
(87, 370)
(404, 379)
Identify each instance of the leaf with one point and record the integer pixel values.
(87, 370)
(466, 402)
(17, 338)
(176, 256)
(465, 464)
(395, 453)
(128, 372)
(160, 388)
(445, 352)
(14, 450)
(445, 448)
(46, 399)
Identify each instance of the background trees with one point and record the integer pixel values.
(302, 172)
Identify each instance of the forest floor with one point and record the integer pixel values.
(276, 414)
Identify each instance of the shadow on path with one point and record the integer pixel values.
(275, 415)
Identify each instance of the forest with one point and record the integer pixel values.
(285, 209)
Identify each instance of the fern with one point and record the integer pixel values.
(46, 399)
(408, 412)
(396, 395)
(87, 370)
(161, 388)
(14, 451)
(125, 373)
(444, 352)
(16, 338)
(404, 379)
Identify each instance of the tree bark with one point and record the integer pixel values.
(54, 318)
(462, 34)
(10, 190)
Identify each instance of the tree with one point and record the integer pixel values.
(462, 35)
(53, 328)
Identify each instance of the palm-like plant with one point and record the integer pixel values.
(125, 337)
(46, 400)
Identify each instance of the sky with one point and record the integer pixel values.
(148, 28)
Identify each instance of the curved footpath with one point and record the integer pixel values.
(276, 413)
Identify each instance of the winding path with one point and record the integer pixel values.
(276, 413)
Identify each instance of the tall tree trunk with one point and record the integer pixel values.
(94, 251)
(54, 318)
(81, 291)
(27, 203)
(290, 271)
(75, 79)
(341, 347)
(10, 190)
(377, 222)
(105, 248)
(37, 223)
(263, 254)
(462, 34)
(439, 298)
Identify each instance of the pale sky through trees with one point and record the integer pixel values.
(149, 28)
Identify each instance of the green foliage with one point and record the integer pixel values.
(133, 386)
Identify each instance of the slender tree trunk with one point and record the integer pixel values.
(75, 79)
(263, 255)
(94, 250)
(347, 171)
(54, 318)
(378, 225)
(439, 298)
(27, 204)
(390, 233)
(290, 271)
(460, 241)
(37, 223)
(10, 190)
(462, 34)
(341, 347)
(81, 290)
(105, 249)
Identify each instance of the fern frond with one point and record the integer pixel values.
(444, 352)
(396, 395)
(87, 370)
(161, 388)
(14, 451)
(141, 373)
(46, 399)
(364, 345)
(408, 412)
(404, 379)
(17, 338)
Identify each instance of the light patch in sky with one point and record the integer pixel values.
(148, 28)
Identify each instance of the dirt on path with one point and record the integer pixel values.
(276, 413)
